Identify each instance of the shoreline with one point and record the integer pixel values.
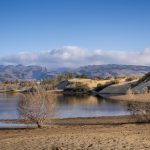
(89, 137)
(90, 133)
(143, 98)
(105, 120)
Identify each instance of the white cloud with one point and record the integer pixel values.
(73, 56)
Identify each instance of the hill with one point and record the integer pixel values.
(143, 85)
(20, 72)
(112, 70)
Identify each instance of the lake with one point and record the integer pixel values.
(67, 106)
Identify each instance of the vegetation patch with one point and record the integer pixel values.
(145, 78)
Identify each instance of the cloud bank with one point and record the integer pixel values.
(73, 56)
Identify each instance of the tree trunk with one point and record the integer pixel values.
(39, 124)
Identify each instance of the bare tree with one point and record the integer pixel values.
(37, 107)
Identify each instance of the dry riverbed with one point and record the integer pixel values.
(66, 135)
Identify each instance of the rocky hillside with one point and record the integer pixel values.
(21, 72)
(143, 85)
(112, 70)
(138, 87)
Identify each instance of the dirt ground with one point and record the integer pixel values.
(78, 137)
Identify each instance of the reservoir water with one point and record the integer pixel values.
(67, 107)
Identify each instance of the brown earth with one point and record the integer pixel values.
(68, 135)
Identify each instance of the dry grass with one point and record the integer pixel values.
(91, 83)
(141, 111)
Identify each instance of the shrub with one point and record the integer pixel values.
(140, 111)
(77, 88)
(37, 107)
(102, 86)
(146, 77)
(116, 81)
(132, 78)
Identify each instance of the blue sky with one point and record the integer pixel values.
(43, 25)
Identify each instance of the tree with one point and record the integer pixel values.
(37, 107)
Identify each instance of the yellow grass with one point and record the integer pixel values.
(90, 82)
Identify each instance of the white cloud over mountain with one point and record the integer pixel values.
(73, 56)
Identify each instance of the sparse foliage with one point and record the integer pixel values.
(102, 86)
(146, 77)
(130, 94)
(140, 111)
(77, 88)
(37, 107)
(49, 84)
(132, 78)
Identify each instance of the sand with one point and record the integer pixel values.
(75, 136)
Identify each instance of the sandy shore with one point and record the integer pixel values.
(81, 134)
(92, 137)
(106, 120)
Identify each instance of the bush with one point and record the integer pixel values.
(132, 78)
(102, 86)
(116, 81)
(140, 111)
(37, 107)
(146, 77)
(77, 88)
(50, 84)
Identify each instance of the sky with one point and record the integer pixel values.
(72, 33)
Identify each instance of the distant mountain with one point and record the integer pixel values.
(112, 70)
(20, 72)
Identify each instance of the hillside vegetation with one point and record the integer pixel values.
(143, 85)
(21, 72)
(112, 70)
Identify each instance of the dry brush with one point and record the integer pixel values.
(37, 107)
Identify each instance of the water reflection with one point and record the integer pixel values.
(67, 107)
(77, 100)
(10, 125)
(8, 106)
(88, 106)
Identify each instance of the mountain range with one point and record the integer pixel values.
(20, 72)
(112, 70)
